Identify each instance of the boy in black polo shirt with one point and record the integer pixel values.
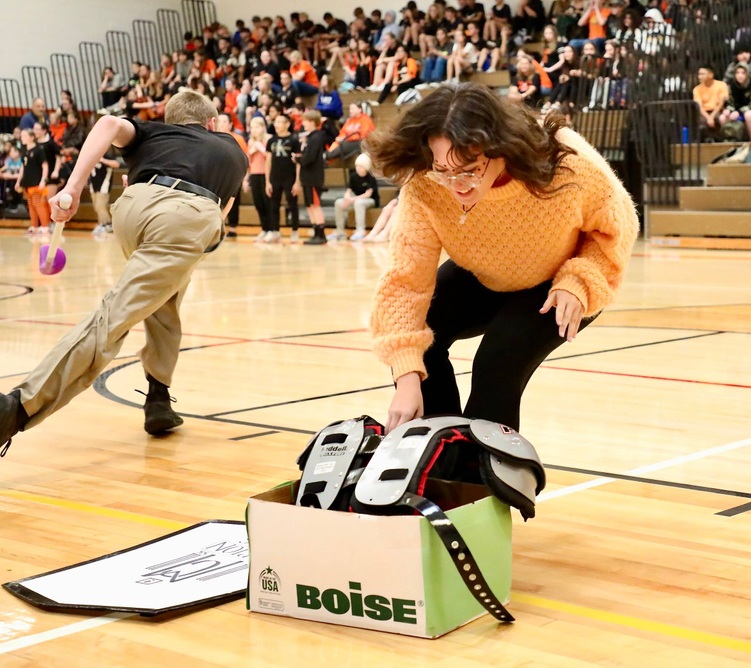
(282, 177)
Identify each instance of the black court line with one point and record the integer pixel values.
(730, 512)
(653, 481)
(25, 290)
(245, 438)
(300, 336)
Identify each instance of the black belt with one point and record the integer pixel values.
(184, 186)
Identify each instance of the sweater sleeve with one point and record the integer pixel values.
(609, 229)
(398, 321)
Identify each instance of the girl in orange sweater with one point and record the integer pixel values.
(538, 230)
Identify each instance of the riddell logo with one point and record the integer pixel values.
(380, 608)
(269, 581)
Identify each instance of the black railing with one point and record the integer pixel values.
(12, 106)
(198, 14)
(66, 76)
(36, 83)
(170, 27)
(93, 62)
(147, 45)
(120, 50)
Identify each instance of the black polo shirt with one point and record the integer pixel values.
(211, 160)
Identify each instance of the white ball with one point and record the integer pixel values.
(65, 201)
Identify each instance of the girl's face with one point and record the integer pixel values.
(741, 75)
(589, 49)
(308, 125)
(548, 34)
(257, 127)
(568, 53)
(354, 111)
(524, 66)
(401, 53)
(609, 51)
(459, 37)
(468, 183)
(627, 20)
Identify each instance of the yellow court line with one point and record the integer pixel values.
(95, 510)
(634, 622)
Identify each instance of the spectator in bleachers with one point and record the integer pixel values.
(738, 109)
(525, 84)
(742, 57)
(348, 142)
(564, 17)
(312, 167)
(628, 33)
(9, 172)
(500, 16)
(111, 87)
(258, 139)
(410, 25)
(135, 68)
(434, 20)
(435, 63)
(463, 58)
(453, 19)
(390, 27)
(303, 74)
(406, 74)
(347, 57)
(375, 25)
(366, 60)
(329, 103)
(384, 66)
(594, 18)
(711, 96)
(32, 180)
(282, 177)
(473, 12)
(335, 34)
(289, 93)
(267, 66)
(52, 155)
(551, 47)
(38, 112)
(361, 195)
(210, 44)
(529, 19)
(656, 34)
(564, 91)
(205, 65)
(637, 7)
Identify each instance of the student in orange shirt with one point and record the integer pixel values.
(406, 74)
(711, 96)
(357, 126)
(596, 16)
(224, 124)
(303, 74)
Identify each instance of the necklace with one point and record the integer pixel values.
(465, 213)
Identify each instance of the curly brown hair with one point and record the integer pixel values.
(475, 120)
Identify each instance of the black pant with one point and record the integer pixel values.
(260, 199)
(278, 188)
(233, 216)
(516, 340)
(399, 89)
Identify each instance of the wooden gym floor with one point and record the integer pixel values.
(640, 553)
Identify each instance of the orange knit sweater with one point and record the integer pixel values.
(581, 238)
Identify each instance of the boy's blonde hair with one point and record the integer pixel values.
(187, 107)
(312, 115)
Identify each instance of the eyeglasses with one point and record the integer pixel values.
(461, 181)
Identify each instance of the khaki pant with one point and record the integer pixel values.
(101, 202)
(164, 234)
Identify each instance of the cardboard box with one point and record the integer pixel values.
(383, 573)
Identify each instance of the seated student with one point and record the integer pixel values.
(362, 194)
(357, 126)
(329, 103)
(303, 74)
(742, 57)
(711, 96)
(381, 231)
(738, 107)
(366, 59)
(434, 64)
(500, 17)
(406, 74)
(463, 58)
(525, 85)
(9, 172)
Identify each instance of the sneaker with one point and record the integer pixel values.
(99, 229)
(108, 228)
(294, 237)
(13, 419)
(261, 237)
(315, 241)
(158, 409)
(337, 236)
(273, 238)
(31, 230)
(231, 233)
(43, 230)
(358, 236)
